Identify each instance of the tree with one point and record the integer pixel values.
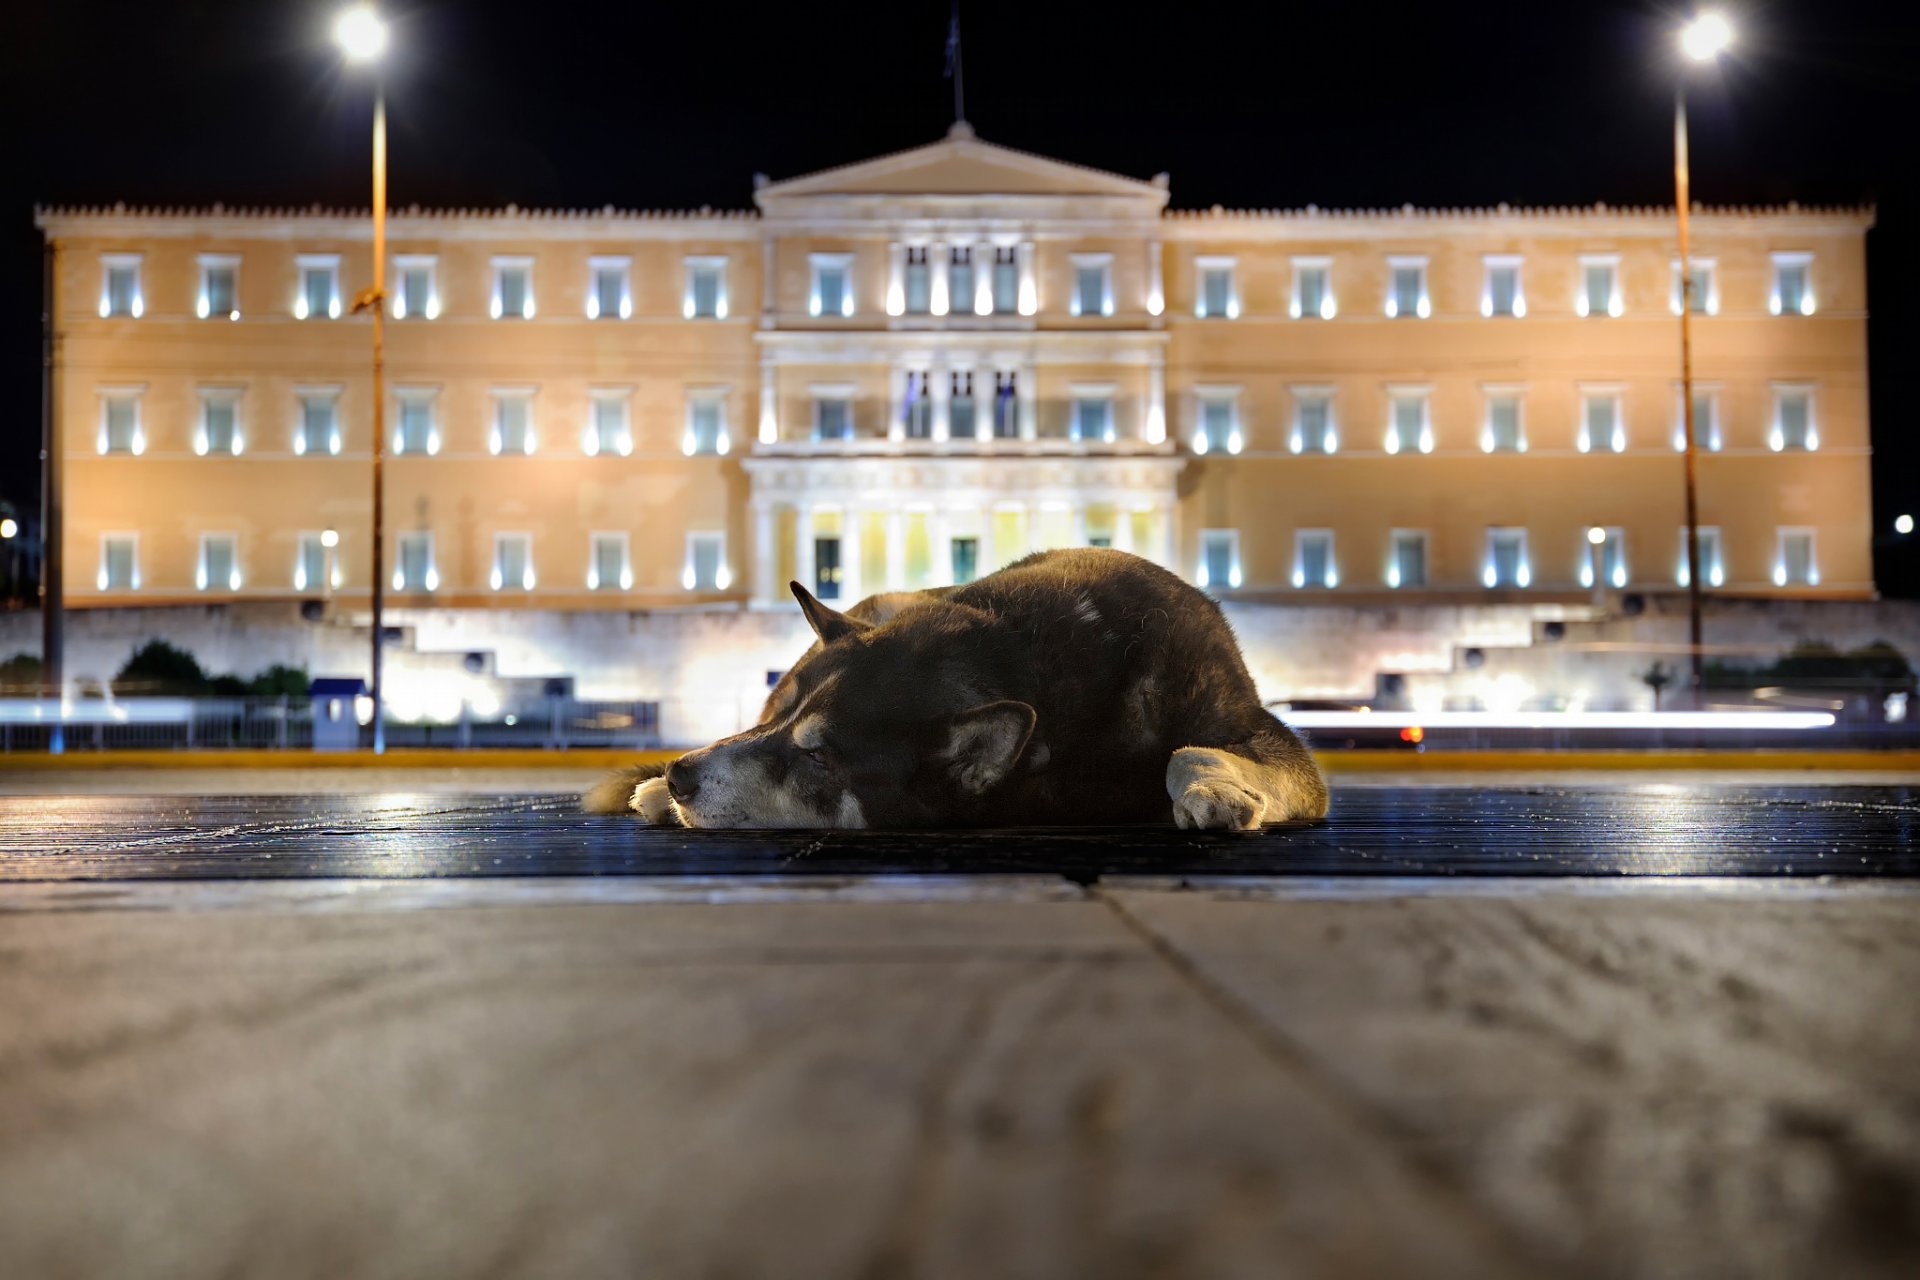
(21, 673)
(158, 668)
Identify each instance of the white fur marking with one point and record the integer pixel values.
(850, 815)
(810, 732)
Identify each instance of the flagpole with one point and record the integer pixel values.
(953, 67)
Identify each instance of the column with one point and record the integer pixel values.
(1032, 514)
(937, 262)
(803, 544)
(850, 585)
(769, 281)
(763, 552)
(1156, 286)
(940, 387)
(1163, 532)
(769, 401)
(1029, 402)
(940, 534)
(897, 404)
(1154, 425)
(896, 549)
(983, 278)
(1029, 298)
(1122, 527)
(1079, 524)
(896, 279)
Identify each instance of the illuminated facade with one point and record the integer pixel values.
(911, 370)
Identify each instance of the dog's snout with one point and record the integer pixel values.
(683, 783)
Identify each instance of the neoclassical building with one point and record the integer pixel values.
(913, 369)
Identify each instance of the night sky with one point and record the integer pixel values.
(558, 103)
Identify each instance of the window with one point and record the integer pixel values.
(827, 570)
(1313, 558)
(1793, 424)
(607, 430)
(416, 431)
(1709, 556)
(966, 560)
(1006, 279)
(1409, 425)
(1792, 285)
(1313, 427)
(1092, 284)
(916, 406)
(706, 289)
(219, 430)
(1407, 558)
(1501, 295)
(1407, 288)
(962, 419)
(918, 280)
(319, 294)
(1506, 559)
(1706, 420)
(413, 568)
(119, 562)
(1219, 559)
(312, 562)
(1006, 405)
(1504, 430)
(1217, 420)
(512, 421)
(219, 567)
(961, 289)
(608, 296)
(1092, 415)
(512, 562)
(706, 568)
(120, 285)
(1608, 547)
(1703, 292)
(317, 429)
(1599, 286)
(219, 287)
(706, 423)
(416, 287)
(833, 413)
(1793, 562)
(1601, 426)
(608, 565)
(512, 289)
(1217, 296)
(1313, 289)
(120, 429)
(832, 290)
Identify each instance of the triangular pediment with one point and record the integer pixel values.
(962, 165)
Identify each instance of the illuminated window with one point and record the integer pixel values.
(1407, 288)
(512, 562)
(1601, 426)
(413, 567)
(319, 294)
(1217, 420)
(831, 292)
(1793, 561)
(1312, 289)
(1313, 558)
(1793, 423)
(219, 429)
(416, 293)
(317, 430)
(120, 285)
(512, 289)
(966, 559)
(1217, 295)
(706, 430)
(607, 430)
(1706, 420)
(1704, 288)
(916, 405)
(219, 566)
(219, 295)
(119, 562)
(416, 431)
(1611, 554)
(1504, 430)
(1501, 294)
(312, 560)
(706, 567)
(1507, 564)
(706, 297)
(961, 286)
(833, 413)
(1092, 284)
(512, 421)
(918, 279)
(1092, 414)
(1709, 556)
(1599, 286)
(962, 417)
(1006, 405)
(1005, 285)
(1407, 558)
(1313, 426)
(608, 565)
(608, 294)
(1792, 293)
(1409, 421)
(1219, 559)
(120, 429)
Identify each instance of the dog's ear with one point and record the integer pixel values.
(984, 744)
(828, 624)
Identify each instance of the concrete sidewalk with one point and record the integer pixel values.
(969, 1078)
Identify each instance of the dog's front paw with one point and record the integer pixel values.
(652, 801)
(1217, 805)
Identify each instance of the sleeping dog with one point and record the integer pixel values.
(1073, 687)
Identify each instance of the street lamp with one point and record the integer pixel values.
(1701, 40)
(362, 36)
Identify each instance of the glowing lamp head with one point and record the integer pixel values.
(1901, 524)
(360, 33)
(1596, 535)
(9, 527)
(330, 538)
(1706, 37)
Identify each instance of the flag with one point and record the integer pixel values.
(953, 42)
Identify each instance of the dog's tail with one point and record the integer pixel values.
(614, 793)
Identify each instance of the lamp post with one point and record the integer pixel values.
(1701, 40)
(362, 36)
